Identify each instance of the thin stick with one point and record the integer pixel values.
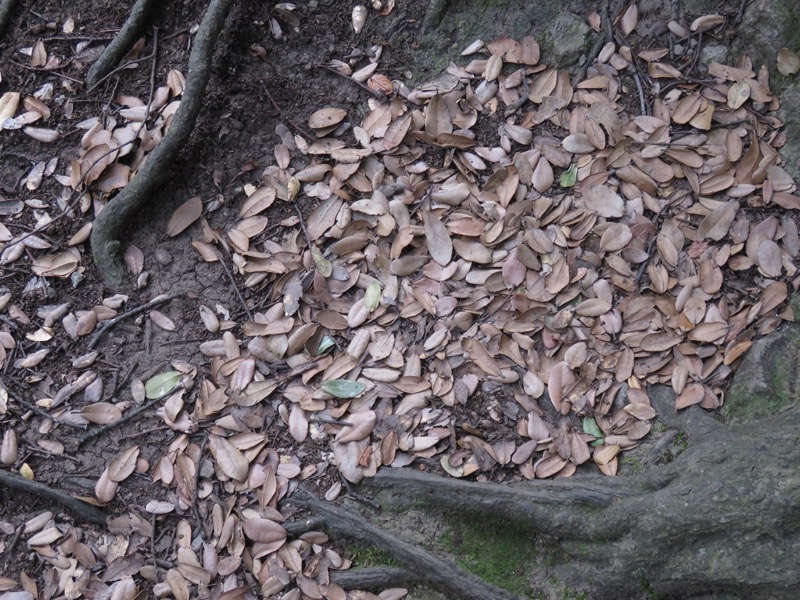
(295, 126)
(642, 102)
(740, 13)
(378, 94)
(195, 509)
(41, 412)
(158, 300)
(233, 284)
(120, 68)
(81, 510)
(134, 413)
(303, 225)
(45, 70)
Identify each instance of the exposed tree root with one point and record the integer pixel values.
(131, 30)
(157, 301)
(695, 422)
(106, 248)
(438, 573)
(6, 9)
(80, 510)
(681, 530)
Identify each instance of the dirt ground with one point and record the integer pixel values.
(249, 94)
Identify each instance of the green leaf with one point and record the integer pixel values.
(569, 177)
(161, 384)
(343, 388)
(590, 427)
(372, 297)
(324, 266)
(325, 344)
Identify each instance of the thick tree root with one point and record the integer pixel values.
(6, 9)
(557, 507)
(723, 517)
(695, 422)
(106, 248)
(130, 31)
(80, 510)
(439, 574)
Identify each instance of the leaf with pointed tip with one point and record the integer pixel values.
(186, 214)
(343, 388)
(161, 384)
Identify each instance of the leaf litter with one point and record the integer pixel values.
(583, 255)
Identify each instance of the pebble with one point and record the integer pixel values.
(163, 257)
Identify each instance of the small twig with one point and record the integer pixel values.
(195, 509)
(15, 540)
(378, 94)
(158, 300)
(153, 538)
(740, 12)
(143, 432)
(135, 412)
(41, 412)
(121, 68)
(698, 49)
(233, 285)
(81, 510)
(77, 38)
(642, 102)
(303, 226)
(295, 126)
(45, 70)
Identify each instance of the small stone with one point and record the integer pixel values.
(163, 257)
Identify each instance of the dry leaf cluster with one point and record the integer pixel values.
(569, 260)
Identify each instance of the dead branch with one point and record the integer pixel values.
(375, 578)
(439, 574)
(106, 248)
(134, 413)
(6, 9)
(80, 510)
(107, 325)
(130, 31)
(40, 411)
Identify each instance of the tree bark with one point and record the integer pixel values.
(723, 518)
